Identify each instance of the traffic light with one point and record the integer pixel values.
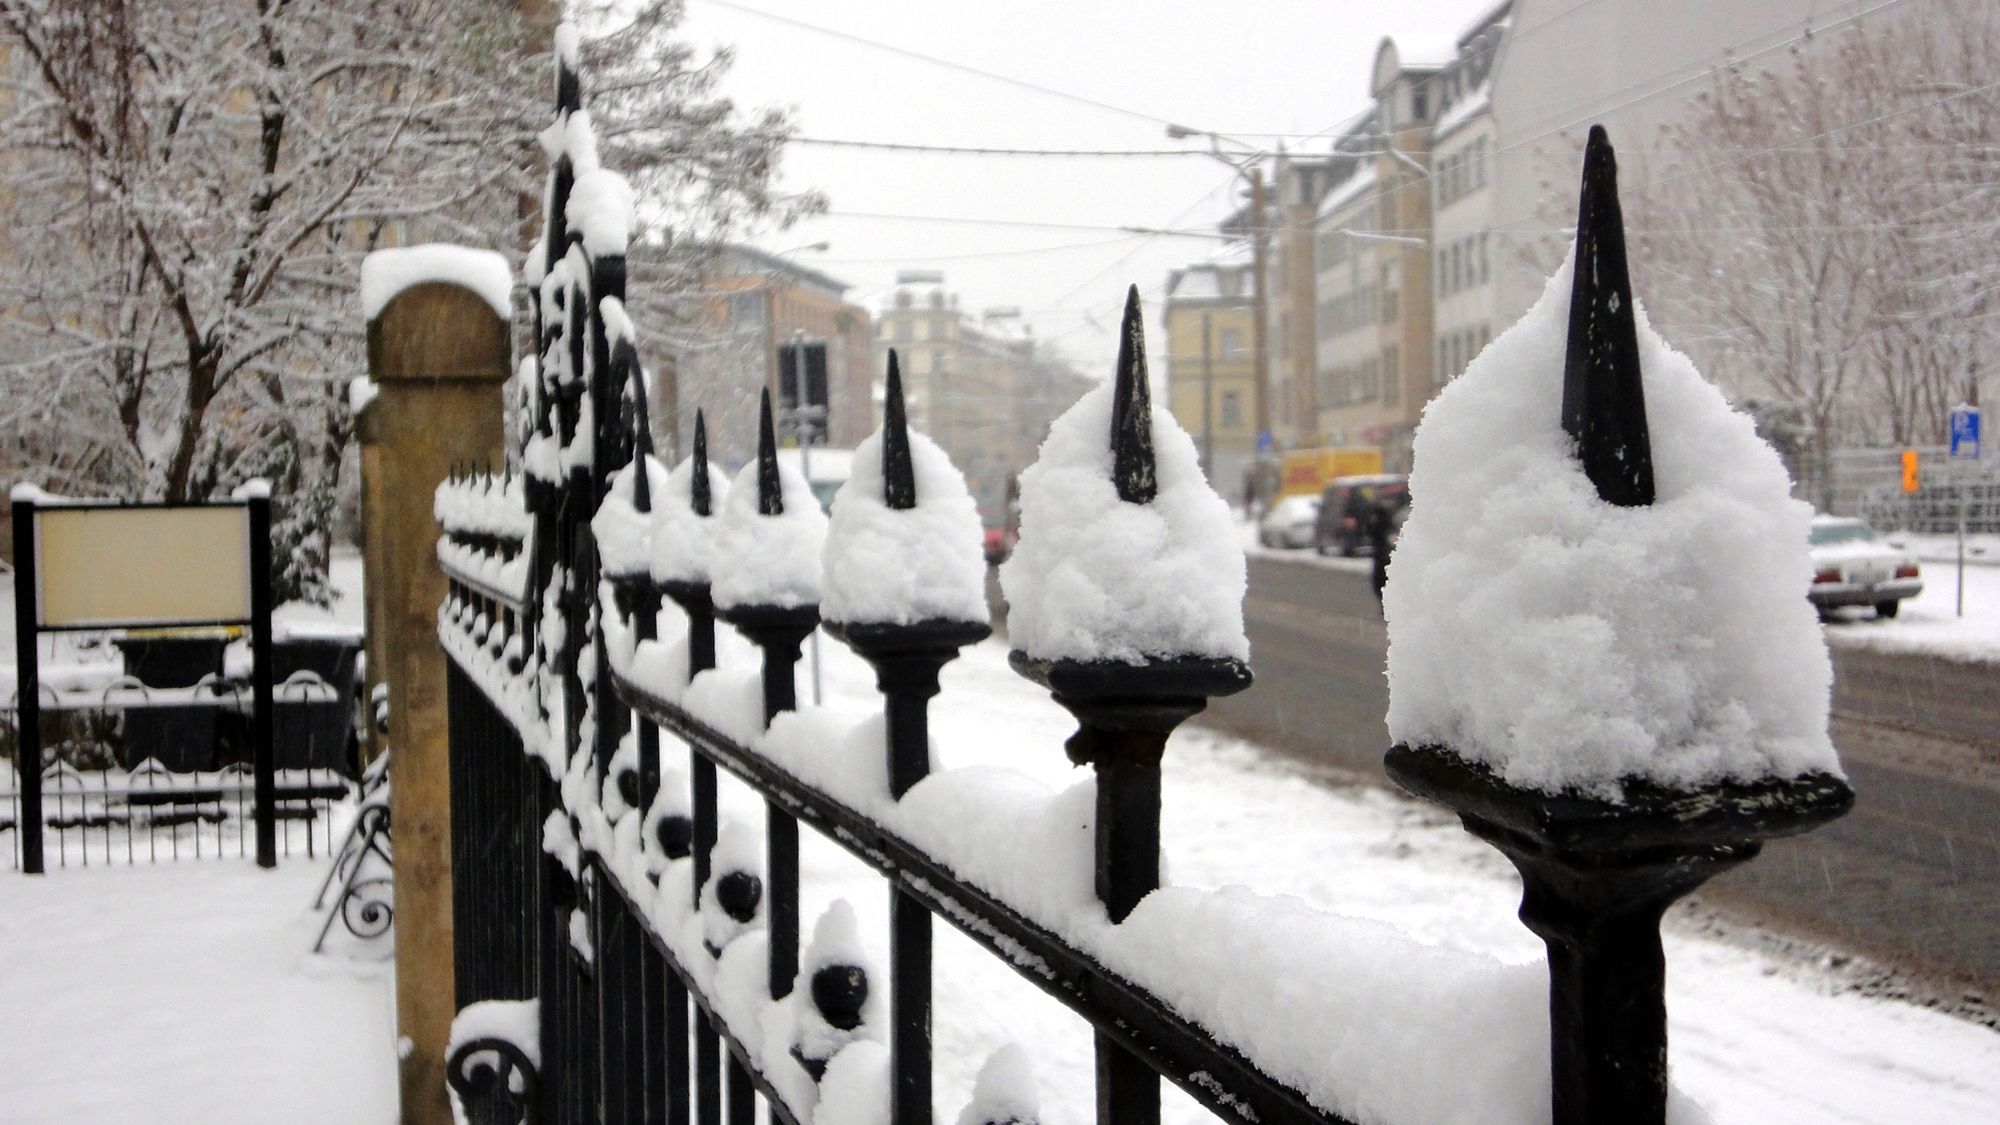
(802, 377)
(1909, 470)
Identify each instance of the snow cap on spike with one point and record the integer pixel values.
(1604, 400)
(899, 475)
(698, 480)
(1132, 466)
(770, 493)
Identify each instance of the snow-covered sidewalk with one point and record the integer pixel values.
(183, 994)
(1756, 1038)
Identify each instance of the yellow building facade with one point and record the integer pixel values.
(1210, 321)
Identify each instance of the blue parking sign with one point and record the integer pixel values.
(1965, 433)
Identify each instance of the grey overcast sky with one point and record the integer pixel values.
(1265, 71)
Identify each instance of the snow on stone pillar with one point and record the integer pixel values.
(438, 356)
(1126, 596)
(1599, 654)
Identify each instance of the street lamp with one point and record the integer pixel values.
(1248, 164)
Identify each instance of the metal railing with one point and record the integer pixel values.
(607, 919)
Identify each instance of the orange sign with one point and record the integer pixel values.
(1909, 470)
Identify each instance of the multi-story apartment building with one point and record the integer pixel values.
(1290, 335)
(1211, 382)
(755, 302)
(979, 386)
(1465, 249)
(1372, 257)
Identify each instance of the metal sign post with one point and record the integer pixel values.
(92, 566)
(27, 690)
(1964, 447)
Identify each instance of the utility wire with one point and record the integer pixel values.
(934, 60)
(1021, 253)
(970, 220)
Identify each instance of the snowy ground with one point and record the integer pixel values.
(182, 992)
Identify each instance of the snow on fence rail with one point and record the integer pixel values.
(626, 955)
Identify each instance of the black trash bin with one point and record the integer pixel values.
(311, 728)
(180, 738)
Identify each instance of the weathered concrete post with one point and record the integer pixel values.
(438, 353)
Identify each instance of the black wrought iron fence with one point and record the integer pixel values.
(617, 941)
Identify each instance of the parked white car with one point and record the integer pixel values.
(1290, 522)
(1853, 567)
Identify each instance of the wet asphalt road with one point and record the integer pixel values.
(1911, 877)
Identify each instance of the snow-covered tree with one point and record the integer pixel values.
(1829, 238)
(189, 187)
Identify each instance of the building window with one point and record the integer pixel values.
(1232, 343)
(1392, 375)
(1484, 271)
(1232, 408)
(923, 328)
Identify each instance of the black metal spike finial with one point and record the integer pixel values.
(1604, 400)
(770, 491)
(899, 475)
(1132, 467)
(569, 87)
(626, 358)
(698, 478)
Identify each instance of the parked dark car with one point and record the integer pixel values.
(1343, 510)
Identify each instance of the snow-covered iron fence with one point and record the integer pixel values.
(621, 633)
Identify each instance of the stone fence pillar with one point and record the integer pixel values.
(438, 353)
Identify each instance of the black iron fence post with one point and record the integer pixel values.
(1125, 713)
(260, 681)
(778, 631)
(1597, 875)
(907, 660)
(27, 690)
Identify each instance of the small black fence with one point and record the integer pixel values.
(604, 911)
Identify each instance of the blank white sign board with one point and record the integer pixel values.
(142, 566)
